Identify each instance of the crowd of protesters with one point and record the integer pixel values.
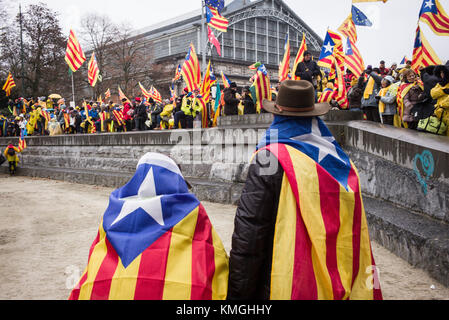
(394, 96)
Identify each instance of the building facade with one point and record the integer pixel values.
(256, 33)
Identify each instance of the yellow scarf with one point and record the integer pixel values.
(382, 93)
(369, 88)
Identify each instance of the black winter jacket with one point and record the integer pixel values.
(252, 241)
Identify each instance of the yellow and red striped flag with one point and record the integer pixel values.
(433, 14)
(261, 88)
(22, 143)
(340, 92)
(216, 20)
(321, 246)
(191, 70)
(423, 53)
(155, 95)
(207, 84)
(93, 71)
(9, 84)
(145, 92)
(353, 59)
(107, 94)
(74, 55)
(284, 66)
(299, 56)
(122, 95)
(348, 29)
(155, 242)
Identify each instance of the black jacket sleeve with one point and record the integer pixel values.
(252, 241)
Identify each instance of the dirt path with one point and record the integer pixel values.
(47, 227)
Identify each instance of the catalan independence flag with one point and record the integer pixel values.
(348, 29)
(299, 56)
(423, 53)
(225, 79)
(155, 94)
(216, 20)
(74, 55)
(433, 14)
(284, 66)
(321, 247)
(261, 88)
(191, 70)
(155, 242)
(353, 58)
(333, 45)
(93, 70)
(9, 84)
(145, 92)
(22, 143)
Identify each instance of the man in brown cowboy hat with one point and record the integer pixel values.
(300, 228)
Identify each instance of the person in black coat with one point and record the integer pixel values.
(140, 115)
(231, 101)
(248, 103)
(308, 69)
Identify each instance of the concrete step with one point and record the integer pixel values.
(420, 240)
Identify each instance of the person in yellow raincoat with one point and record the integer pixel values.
(12, 157)
(441, 93)
(34, 117)
(167, 121)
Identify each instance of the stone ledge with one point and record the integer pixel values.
(418, 239)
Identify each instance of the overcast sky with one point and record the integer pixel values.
(391, 37)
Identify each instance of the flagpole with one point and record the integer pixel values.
(73, 90)
(203, 34)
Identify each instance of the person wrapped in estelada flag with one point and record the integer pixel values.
(300, 230)
(155, 242)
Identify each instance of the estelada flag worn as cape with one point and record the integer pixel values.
(155, 242)
(321, 246)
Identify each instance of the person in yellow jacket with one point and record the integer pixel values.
(441, 93)
(189, 110)
(34, 117)
(12, 157)
(166, 116)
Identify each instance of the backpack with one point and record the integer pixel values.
(433, 125)
(11, 152)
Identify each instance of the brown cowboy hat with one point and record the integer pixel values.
(296, 99)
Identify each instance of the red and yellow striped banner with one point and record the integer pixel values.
(9, 84)
(74, 54)
(186, 263)
(321, 245)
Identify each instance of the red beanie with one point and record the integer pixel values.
(138, 99)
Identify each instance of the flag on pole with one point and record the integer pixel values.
(9, 84)
(353, 59)
(340, 92)
(93, 71)
(333, 45)
(360, 18)
(207, 84)
(284, 66)
(423, 53)
(155, 242)
(216, 20)
(225, 79)
(22, 143)
(217, 4)
(214, 40)
(261, 88)
(178, 73)
(433, 14)
(74, 55)
(299, 56)
(404, 60)
(155, 95)
(348, 29)
(107, 94)
(191, 70)
(146, 94)
(122, 95)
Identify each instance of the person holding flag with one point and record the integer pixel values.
(300, 211)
